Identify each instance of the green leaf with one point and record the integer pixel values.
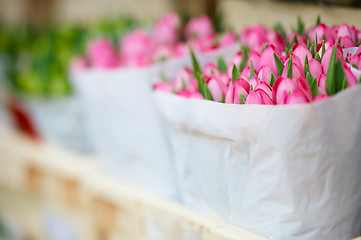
(345, 83)
(252, 74)
(308, 43)
(243, 99)
(197, 71)
(279, 64)
(316, 42)
(207, 93)
(331, 74)
(273, 80)
(279, 28)
(309, 79)
(301, 26)
(359, 81)
(251, 88)
(163, 78)
(318, 21)
(306, 69)
(339, 41)
(323, 48)
(235, 73)
(287, 50)
(223, 98)
(340, 75)
(289, 68)
(245, 53)
(264, 47)
(314, 88)
(317, 57)
(222, 65)
(313, 50)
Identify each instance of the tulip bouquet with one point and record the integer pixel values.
(40, 97)
(141, 48)
(115, 82)
(290, 171)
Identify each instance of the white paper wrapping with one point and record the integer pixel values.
(61, 120)
(285, 172)
(125, 125)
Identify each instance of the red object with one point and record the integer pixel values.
(22, 119)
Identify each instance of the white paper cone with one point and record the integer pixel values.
(286, 172)
(61, 120)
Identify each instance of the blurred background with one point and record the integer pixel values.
(39, 38)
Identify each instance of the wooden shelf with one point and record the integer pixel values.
(44, 188)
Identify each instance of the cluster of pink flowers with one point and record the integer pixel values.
(312, 68)
(141, 47)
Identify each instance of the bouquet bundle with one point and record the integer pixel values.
(42, 100)
(115, 82)
(290, 171)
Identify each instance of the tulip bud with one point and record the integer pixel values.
(102, 54)
(315, 68)
(163, 87)
(321, 81)
(291, 91)
(240, 86)
(217, 88)
(190, 94)
(301, 52)
(259, 97)
(200, 28)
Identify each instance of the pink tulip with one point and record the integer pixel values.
(346, 42)
(315, 67)
(246, 73)
(255, 37)
(265, 74)
(356, 60)
(211, 70)
(358, 50)
(259, 96)
(137, 60)
(240, 86)
(267, 59)
(326, 58)
(102, 54)
(321, 98)
(323, 31)
(163, 87)
(225, 79)
(217, 88)
(137, 42)
(301, 52)
(274, 38)
(181, 49)
(78, 64)
(254, 57)
(227, 39)
(351, 79)
(296, 71)
(200, 28)
(346, 31)
(190, 94)
(321, 81)
(301, 41)
(235, 61)
(265, 87)
(253, 81)
(291, 91)
(163, 52)
(166, 29)
(185, 81)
